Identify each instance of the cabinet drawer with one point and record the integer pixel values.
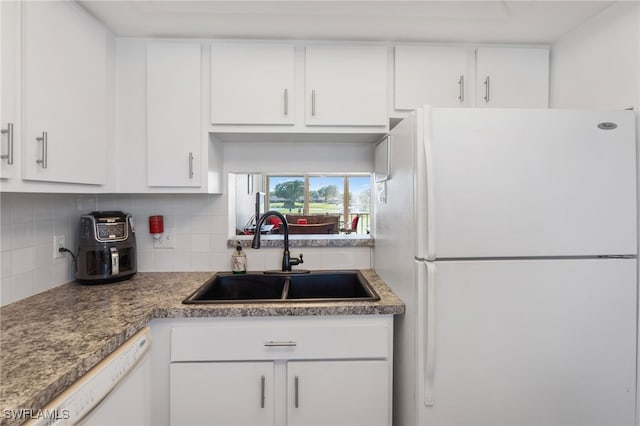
(274, 339)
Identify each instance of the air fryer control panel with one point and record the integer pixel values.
(105, 227)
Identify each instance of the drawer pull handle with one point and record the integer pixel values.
(271, 344)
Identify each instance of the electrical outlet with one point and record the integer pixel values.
(166, 240)
(58, 243)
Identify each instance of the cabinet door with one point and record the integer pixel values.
(174, 128)
(346, 85)
(9, 85)
(222, 393)
(338, 393)
(252, 84)
(430, 75)
(512, 77)
(65, 96)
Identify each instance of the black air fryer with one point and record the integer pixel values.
(106, 248)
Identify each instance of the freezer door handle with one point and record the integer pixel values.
(427, 176)
(430, 330)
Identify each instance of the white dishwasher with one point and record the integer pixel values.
(114, 392)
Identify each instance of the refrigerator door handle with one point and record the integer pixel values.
(430, 329)
(428, 190)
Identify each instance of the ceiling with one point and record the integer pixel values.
(436, 21)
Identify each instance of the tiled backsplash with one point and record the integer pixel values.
(28, 223)
(199, 224)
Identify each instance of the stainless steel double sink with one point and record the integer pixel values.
(315, 286)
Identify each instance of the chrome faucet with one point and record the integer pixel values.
(287, 260)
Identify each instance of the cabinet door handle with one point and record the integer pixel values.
(461, 85)
(190, 165)
(9, 154)
(296, 393)
(487, 88)
(272, 343)
(45, 144)
(286, 101)
(313, 103)
(262, 385)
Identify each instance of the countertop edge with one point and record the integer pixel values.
(275, 241)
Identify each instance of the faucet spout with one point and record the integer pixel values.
(287, 261)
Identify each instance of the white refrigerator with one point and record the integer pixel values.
(511, 236)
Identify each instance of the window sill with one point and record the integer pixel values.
(333, 240)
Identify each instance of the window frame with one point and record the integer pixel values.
(307, 195)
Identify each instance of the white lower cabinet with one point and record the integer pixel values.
(349, 393)
(221, 393)
(279, 371)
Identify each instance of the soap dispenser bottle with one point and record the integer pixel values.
(239, 261)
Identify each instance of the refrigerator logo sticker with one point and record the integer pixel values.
(607, 125)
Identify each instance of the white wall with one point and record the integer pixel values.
(597, 65)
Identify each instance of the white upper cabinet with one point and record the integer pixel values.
(64, 85)
(512, 77)
(433, 75)
(346, 85)
(9, 87)
(174, 129)
(450, 76)
(252, 83)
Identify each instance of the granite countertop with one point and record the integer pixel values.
(51, 339)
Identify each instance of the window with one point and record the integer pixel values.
(343, 196)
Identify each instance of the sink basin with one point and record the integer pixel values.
(325, 286)
(240, 287)
(337, 285)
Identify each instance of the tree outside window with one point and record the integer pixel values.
(286, 193)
